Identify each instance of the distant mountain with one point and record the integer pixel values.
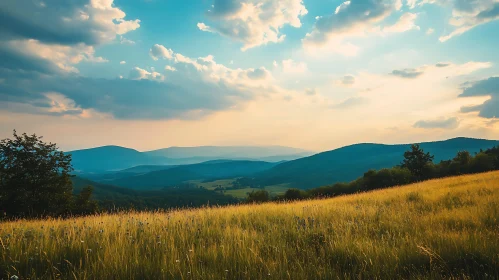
(228, 152)
(109, 158)
(115, 158)
(201, 171)
(350, 162)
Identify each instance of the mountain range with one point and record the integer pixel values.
(350, 162)
(115, 158)
(338, 165)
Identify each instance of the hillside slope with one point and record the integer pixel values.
(113, 197)
(350, 162)
(114, 158)
(228, 152)
(440, 229)
(180, 174)
(109, 158)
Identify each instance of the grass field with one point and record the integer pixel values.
(243, 193)
(213, 184)
(240, 193)
(444, 228)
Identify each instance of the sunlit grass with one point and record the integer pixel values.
(438, 229)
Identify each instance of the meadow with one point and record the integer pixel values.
(239, 193)
(445, 228)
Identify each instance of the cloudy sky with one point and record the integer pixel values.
(305, 73)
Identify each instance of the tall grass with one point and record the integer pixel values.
(444, 228)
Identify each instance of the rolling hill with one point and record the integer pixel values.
(208, 170)
(350, 162)
(113, 197)
(108, 158)
(115, 158)
(228, 152)
(439, 229)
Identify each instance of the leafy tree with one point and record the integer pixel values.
(482, 162)
(460, 164)
(294, 194)
(83, 203)
(417, 161)
(34, 177)
(258, 196)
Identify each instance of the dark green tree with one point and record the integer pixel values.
(83, 203)
(258, 196)
(34, 177)
(294, 194)
(417, 161)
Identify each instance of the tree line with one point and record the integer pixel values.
(36, 181)
(417, 165)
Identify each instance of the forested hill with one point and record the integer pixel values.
(112, 197)
(350, 162)
(115, 158)
(201, 171)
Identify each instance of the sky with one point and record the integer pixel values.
(310, 74)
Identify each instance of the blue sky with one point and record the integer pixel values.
(311, 74)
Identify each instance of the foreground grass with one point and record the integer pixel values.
(438, 229)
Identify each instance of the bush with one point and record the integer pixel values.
(295, 194)
(258, 196)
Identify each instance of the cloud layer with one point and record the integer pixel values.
(450, 123)
(356, 19)
(191, 89)
(254, 22)
(64, 22)
(489, 87)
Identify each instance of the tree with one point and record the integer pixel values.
(258, 196)
(83, 204)
(34, 177)
(417, 161)
(294, 194)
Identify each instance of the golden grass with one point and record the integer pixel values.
(444, 228)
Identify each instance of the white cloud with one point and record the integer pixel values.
(428, 90)
(66, 22)
(466, 14)
(60, 56)
(353, 19)
(405, 23)
(59, 34)
(159, 51)
(142, 74)
(430, 31)
(254, 22)
(125, 41)
(488, 88)
(469, 14)
(170, 68)
(122, 62)
(290, 66)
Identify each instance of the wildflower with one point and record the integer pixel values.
(82, 241)
(14, 277)
(177, 261)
